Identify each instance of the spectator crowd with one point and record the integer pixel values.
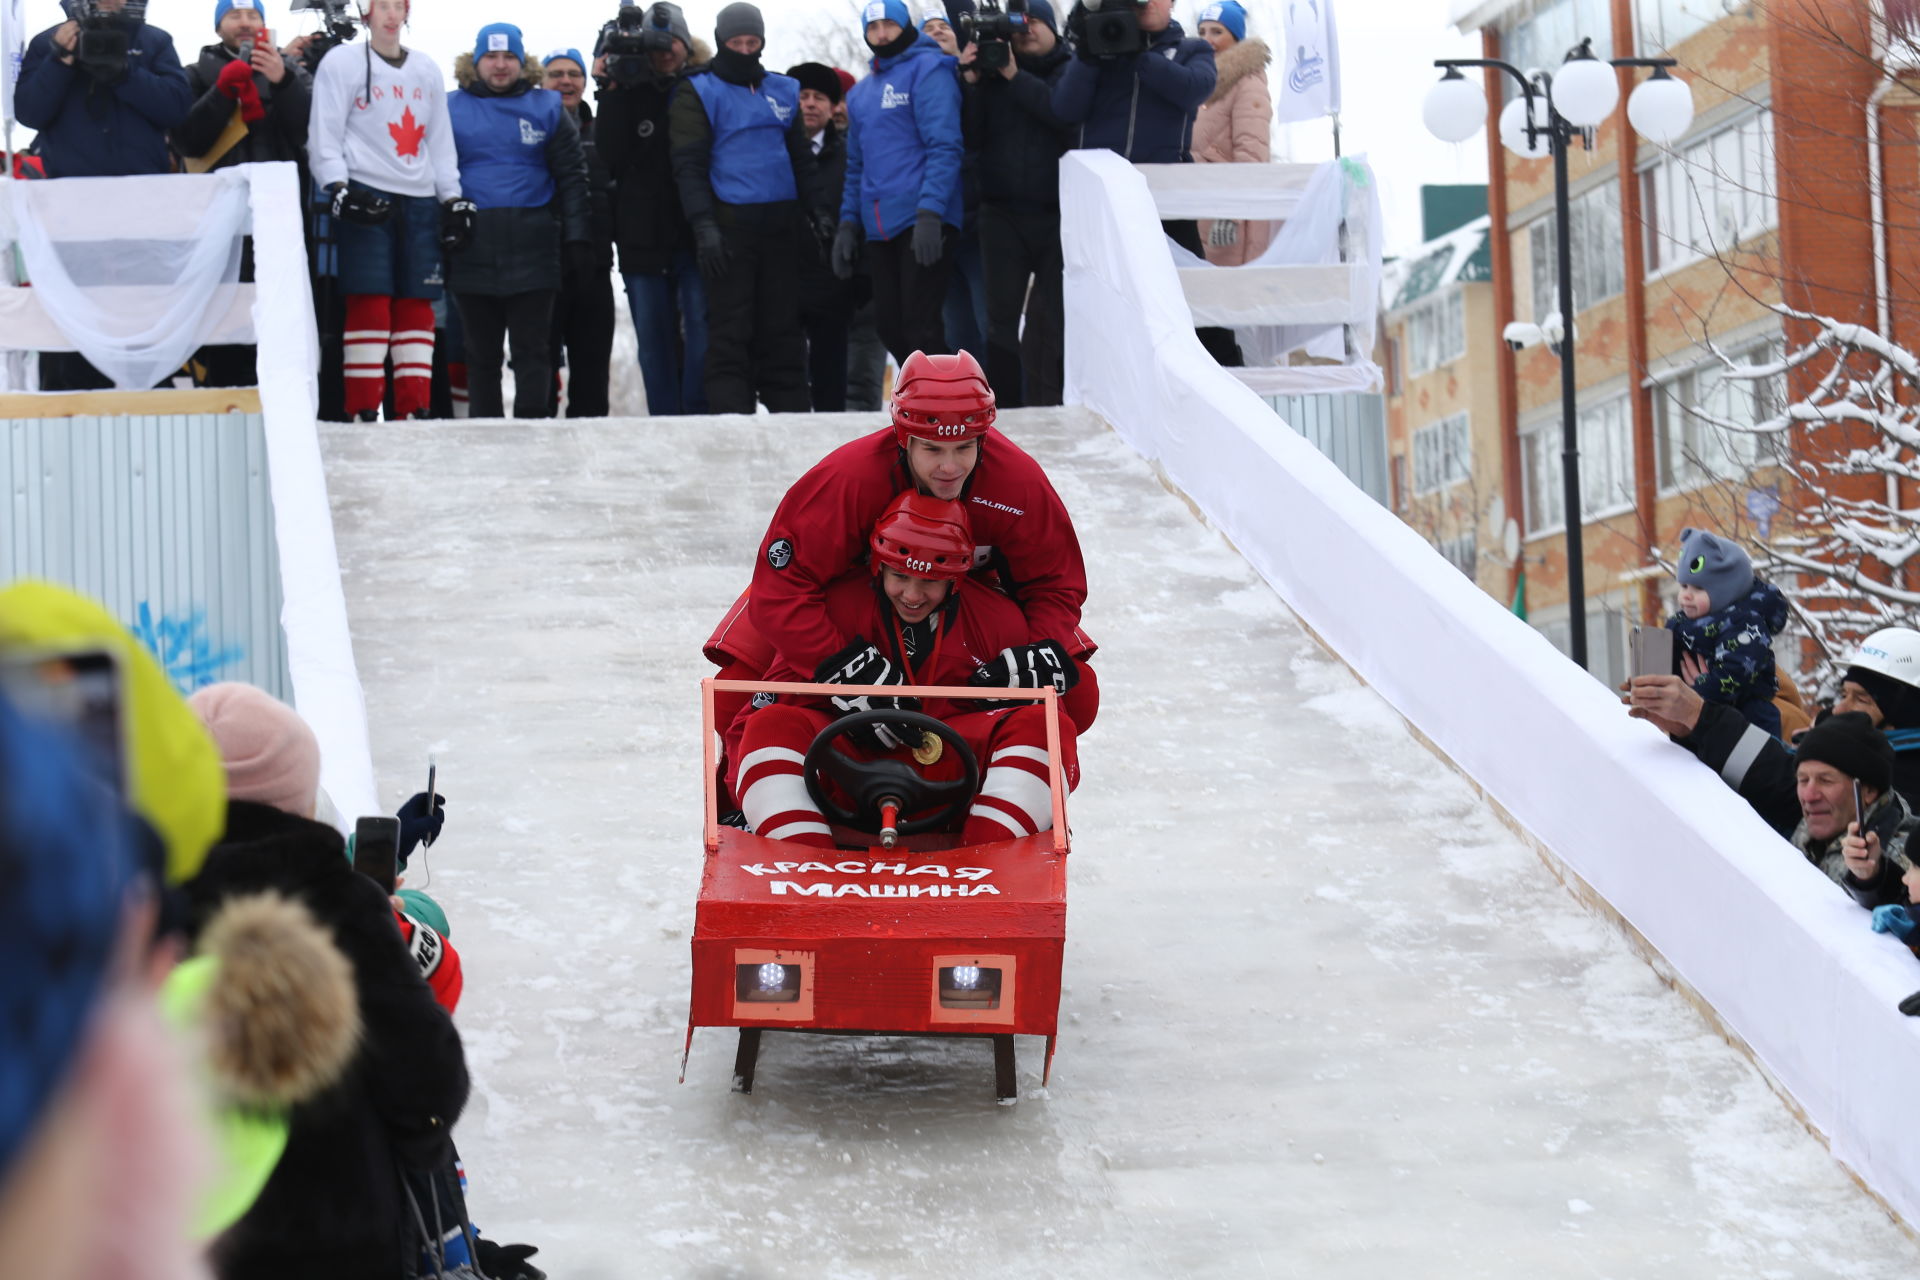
(780, 235)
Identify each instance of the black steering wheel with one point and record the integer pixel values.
(871, 782)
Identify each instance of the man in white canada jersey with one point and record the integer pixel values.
(380, 144)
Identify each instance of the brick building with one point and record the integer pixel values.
(1766, 199)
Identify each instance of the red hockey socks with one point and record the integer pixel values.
(457, 387)
(365, 340)
(1015, 797)
(412, 356)
(773, 795)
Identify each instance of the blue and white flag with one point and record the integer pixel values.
(1310, 70)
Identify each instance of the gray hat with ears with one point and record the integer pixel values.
(1716, 565)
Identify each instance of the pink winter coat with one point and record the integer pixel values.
(1234, 127)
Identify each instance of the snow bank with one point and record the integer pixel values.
(1784, 958)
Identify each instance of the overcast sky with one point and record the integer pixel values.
(1387, 49)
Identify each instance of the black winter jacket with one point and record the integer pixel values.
(1019, 138)
(1141, 106)
(631, 134)
(282, 135)
(516, 250)
(599, 193)
(333, 1206)
(92, 130)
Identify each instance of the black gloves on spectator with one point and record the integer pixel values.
(456, 224)
(928, 237)
(506, 1261)
(861, 663)
(420, 822)
(1041, 665)
(363, 207)
(711, 249)
(846, 246)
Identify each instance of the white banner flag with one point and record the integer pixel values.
(1310, 75)
(13, 47)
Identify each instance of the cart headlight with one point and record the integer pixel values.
(969, 986)
(767, 983)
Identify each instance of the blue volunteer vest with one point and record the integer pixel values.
(750, 163)
(502, 147)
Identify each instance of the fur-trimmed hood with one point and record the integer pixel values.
(1251, 56)
(466, 75)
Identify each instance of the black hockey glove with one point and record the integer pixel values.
(456, 224)
(364, 207)
(846, 245)
(861, 663)
(420, 822)
(1041, 665)
(506, 1261)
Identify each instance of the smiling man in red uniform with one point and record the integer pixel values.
(942, 444)
(930, 626)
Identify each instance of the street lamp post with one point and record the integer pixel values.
(1661, 109)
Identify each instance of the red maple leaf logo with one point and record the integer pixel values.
(407, 135)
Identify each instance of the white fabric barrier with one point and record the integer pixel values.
(1782, 955)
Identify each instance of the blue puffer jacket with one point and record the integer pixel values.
(904, 147)
(90, 130)
(1737, 643)
(1142, 106)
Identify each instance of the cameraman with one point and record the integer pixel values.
(102, 89)
(664, 291)
(1012, 127)
(1142, 102)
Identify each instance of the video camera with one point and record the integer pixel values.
(1108, 28)
(105, 37)
(337, 29)
(992, 30)
(630, 39)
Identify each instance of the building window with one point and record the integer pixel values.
(1665, 23)
(1436, 333)
(1442, 455)
(1708, 196)
(1599, 257)
(1462, 552)
(1606, 466)
(1694, 451)
(1543, 31)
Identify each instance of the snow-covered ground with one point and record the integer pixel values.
(1324, 1015)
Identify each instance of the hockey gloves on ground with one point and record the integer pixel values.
(846, 247)
(1041, 665)
(861, 663)
(710, 247)
(456, 224)
(928, 237)
(420, 823)
(364, 207)
(1897, 921)
(235, 81)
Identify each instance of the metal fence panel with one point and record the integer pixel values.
(1350, 429)
(167, 521)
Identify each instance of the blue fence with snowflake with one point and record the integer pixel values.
(167, 521)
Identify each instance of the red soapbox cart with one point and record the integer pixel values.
(902, 930)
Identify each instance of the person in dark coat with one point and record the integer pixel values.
(522, 166)
(334, 1205)
(103, 119)
(1013, 129)
(665, 294)
(583, 312)
(750, 191)
(271, 95)
(827, 302)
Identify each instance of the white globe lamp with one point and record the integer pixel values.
(1513, 131)
(1586, 91)
(1661, 108)
(1455, 108)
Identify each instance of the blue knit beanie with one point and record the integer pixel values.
(1042, 11)
(1715, 565)
(1228, 14)
(223, 7)
(571, 55)
(66, 860)
(892, 10)
(499, 37)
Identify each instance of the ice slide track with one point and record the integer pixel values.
(1324, 1015)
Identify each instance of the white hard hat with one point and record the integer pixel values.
(1893, 652)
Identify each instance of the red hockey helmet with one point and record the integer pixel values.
(924, 536)
(942, 398)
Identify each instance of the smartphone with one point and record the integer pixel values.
(78, 693)
(433, 773)
(1651, 652)
(376, 850)
(1859, 812)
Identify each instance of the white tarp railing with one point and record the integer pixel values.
(67, 228)
(1782, 955)
(1314, 292)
